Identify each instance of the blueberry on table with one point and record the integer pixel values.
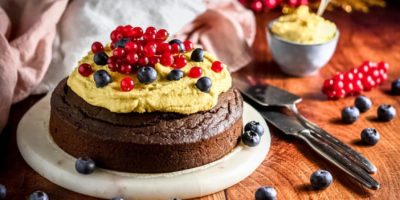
(102, 78)
(396, 87)
(363, 103)
(204, 84)
(85, 165)
(321, 179)
(3, 191)
(197, 55)
(100, 58)
(121, 43)
(117, 198)
(350, 115)
(251, 138)
(175, 75)
(146, 74)
(266, 193)
(38, 195)
(370, 136)
(254, 126)
(386, 112)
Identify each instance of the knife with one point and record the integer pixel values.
(291, 126)
(268, 95)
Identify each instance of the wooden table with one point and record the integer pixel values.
(289, 164)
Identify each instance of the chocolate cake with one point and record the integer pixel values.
(147, 109)
(148, 142)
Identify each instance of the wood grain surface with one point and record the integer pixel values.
(373, 36)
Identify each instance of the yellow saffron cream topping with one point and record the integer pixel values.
(162, 95)
(304, 27)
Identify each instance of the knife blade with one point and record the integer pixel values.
(291, 126)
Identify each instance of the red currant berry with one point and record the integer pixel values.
(337, 85)
(113, 36)
(163, 48)
(166, 59)
(368, 83)
(175, 48)
(348, 77)
(270, 4)
(119, 36)
(127, 31)
(131, 47)
(370, 64)
(188, 45)
(113, 66)
(137, 32)
(179, 61)
(143, 61)
(149, 37)
(357, 87)
(127, 84)
(162, 35)
(217, 66)
(328, 85)
(97, 47)
(256, 6)
(151, 30)
(125, 69)
(153, 60)
(119, 28)
(195, 72)
(85, 69)
(132, 58)
(383, 65)
(149, 50)
(338, 77)
(119, 52)
(349, 88)
(364, 69)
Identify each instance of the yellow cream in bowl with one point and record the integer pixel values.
(304, 27)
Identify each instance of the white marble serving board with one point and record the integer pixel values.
(46, 158)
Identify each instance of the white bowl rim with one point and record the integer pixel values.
(297, 43)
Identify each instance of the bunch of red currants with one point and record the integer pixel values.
(363, 78)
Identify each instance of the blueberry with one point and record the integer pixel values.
(117, 198)
(363, 103)
(100, 58)
(175, 75)
(121, 43)
(396, 87)
(197, 55)
(266, 193)
(321, 179)
(3, 191)
(350, 115)
(250, 138)
(102, 78)
(386, 112)
(254, 126)
(204, 84)
(38, 195)
(180, 43)
(370, 136)
(85, 165)
(146, 74)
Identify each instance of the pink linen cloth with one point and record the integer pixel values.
(28, 28)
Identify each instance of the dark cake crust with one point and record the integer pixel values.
(144, 142)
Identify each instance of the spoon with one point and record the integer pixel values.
(322, 7)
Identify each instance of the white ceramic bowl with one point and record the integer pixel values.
(300, 59)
